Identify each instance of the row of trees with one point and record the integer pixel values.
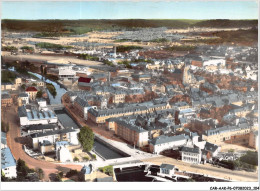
(4, 127)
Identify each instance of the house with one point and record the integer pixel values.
(6, 100)
(31, 91)
(23, 99)
(8, 163)
(62, 152)
(83, 81)
(163, 142)
(8, 86)
(118, 97)
(167, 170)
(3, 140)
(191, 155)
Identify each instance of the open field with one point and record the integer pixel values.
(42, 58)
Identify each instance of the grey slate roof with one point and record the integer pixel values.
(55, 132)
(165, 139)
(210, 147)
(3, 138)
(40, 127)
(167, 166)
(22, 111)
(7, 159)
(131, 126)
(23, 95)
(191, 150)
(226, 129)
(5, 96)
(81, 102)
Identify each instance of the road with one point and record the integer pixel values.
(207, 169)
(14, 142)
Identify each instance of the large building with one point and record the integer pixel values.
(30, 116)
(222, 134)
(68, 134)
(6, 100)
(131, 133)
(100, 116)
(163, 142)
(82, 107)
(8, 163)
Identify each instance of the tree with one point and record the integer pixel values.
(34, 84)
(40, 173)
(21, 168)
(23, 86)
(7, 128)
(86, 138)
(76, 159)
(39, 94)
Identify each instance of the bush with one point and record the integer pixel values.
(9, 49)
(40, 173)
(76, 159)
(52, 46)
(94, 156)
(250, 158)
(23, 86)
(107, 170)
(7, 76)
(39, 94)
(71, 173)
(127, 48)
(27, 48)
(109, 63)
(159, 40)
(85, 158)
(51, 89)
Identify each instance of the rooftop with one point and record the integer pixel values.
(7, 159)
(31, 89)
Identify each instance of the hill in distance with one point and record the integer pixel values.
(82, 26)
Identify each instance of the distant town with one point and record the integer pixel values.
(129, 103)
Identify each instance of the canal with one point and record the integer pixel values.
(107, 152)
(60, 90)
(104, 150)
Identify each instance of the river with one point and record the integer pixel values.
(60, 90)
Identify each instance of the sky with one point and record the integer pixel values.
(129, 10)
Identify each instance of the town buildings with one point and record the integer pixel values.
(8, 163)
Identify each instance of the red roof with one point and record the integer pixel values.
(82, 79)
(31, 89)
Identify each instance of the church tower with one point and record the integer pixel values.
(186, 75)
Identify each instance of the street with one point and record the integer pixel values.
(14, 142)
